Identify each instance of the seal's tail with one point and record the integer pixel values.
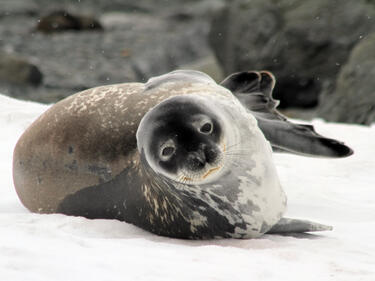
(254, 90)
(286, 225)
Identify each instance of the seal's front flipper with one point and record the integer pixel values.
(286, 225)
(254, 90)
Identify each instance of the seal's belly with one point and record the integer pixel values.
(252, 206)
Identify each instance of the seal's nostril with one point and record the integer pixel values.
(199, 162)
(196, 160)
(210, 154)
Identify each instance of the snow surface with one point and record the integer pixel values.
(335, 192)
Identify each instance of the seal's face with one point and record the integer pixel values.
(183, 140)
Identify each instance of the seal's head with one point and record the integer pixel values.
(183, 139)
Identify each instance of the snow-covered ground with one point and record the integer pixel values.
(335, 192)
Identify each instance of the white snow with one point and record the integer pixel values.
(335, 192)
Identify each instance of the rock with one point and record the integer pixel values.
(304, 42)
(62, 21)
(353, 100)
(140, 39)
(15, 70)
(89, 23)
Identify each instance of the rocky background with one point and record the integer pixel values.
(322, 52)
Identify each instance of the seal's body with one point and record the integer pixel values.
(179, 156)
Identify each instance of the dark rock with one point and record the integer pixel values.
(353, 100)
(140, 39)
(62, 21)
(304, 42)
(89, 23)
(15, 70)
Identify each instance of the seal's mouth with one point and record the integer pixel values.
(210, 171)
(196, 179)
(213, 170)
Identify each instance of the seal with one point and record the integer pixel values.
(179, 156)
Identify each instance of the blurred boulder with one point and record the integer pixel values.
(304, 42)
(140, 39)
(16, 70)
(58, 21)
(353, 99)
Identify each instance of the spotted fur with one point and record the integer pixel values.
(82, 157)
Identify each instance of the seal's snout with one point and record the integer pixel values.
(211, 154)
(196, 160)
(205, 154)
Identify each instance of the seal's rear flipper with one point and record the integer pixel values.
(286, 225)
(254, 90)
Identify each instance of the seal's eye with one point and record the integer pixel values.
(167, 150)
(206, 128)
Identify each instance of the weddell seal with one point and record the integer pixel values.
(179, 156)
